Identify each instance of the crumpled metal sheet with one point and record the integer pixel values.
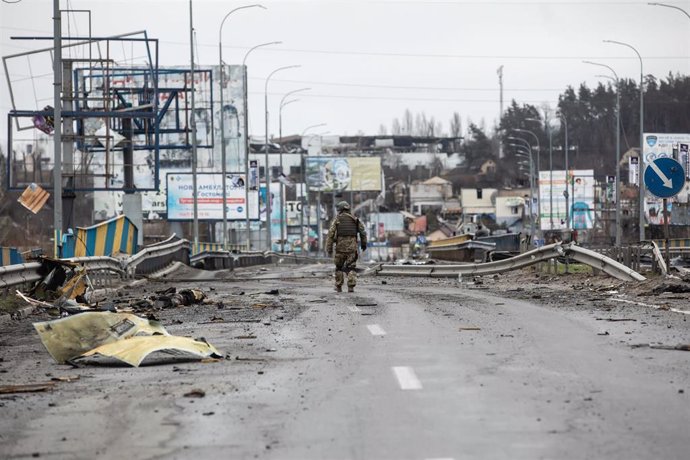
(135, 349)
(70, 337)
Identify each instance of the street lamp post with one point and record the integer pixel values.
(283, 224)
(304, 188)
(267, 171)
(531, 133)
(619, 230)
(192, 122)
(566, 193)
(670, 6)
(528, 148)
(641, 165)
(222, 122)
(246, 136)
(549, 134)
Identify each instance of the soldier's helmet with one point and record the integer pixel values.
(343, 206)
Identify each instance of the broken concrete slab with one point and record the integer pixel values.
(134, 350)
(67, 338)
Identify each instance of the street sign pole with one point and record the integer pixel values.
(666, 250)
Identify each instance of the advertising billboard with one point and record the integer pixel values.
(327, 174)
(581, 201)
(209, 197)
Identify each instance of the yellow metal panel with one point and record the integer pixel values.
(101, 235)
(80, 244)
(117, 242)
(130, 239)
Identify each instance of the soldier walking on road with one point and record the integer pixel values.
(343, 233)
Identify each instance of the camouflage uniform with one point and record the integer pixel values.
(346, 252)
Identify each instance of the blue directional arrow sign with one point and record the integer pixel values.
(664, 177)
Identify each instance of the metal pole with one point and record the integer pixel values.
(619, 227)
(670, 6)
(526, 131)
(57, 123)
(641, 165)
(222, 126)
(528, 149)
(246, 158)
(550, 178)
(567, 173)
(195, 225)
(267, 173)
(305, 189)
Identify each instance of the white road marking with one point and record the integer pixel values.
(407, 378)
(440, 458)
(354, 309)
(375, 329)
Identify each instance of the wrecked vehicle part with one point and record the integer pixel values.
(135, 349)
(67, 338)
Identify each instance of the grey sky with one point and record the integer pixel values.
(367, 61)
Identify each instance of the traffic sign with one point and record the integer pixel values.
(664, 177)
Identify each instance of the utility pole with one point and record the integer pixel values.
(500, 112)
(57, 122)
(192, 122)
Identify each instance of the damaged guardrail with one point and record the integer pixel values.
(154, 258)
(574, 252)
(13, 275)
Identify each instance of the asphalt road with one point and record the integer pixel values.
(409, 369)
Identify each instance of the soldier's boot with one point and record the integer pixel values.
(351, 281)
(338, 289)
(339, 280)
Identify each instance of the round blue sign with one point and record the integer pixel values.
(239, 209)
(664, 177)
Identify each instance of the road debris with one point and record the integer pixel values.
(195, 393)
(28, 388)
(366, 304)
(134, 350)
(69, 337)
(615, 320)
(469, 328)
(680, 346)
(122, 336)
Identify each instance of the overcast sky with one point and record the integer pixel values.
(367, 61)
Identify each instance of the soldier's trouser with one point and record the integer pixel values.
(345, 263)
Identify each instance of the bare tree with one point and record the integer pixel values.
(456, 125)
(382, 130)
(407, 123)
(395, 127)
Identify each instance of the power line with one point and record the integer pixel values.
(364, 85)
(390, 98)
(432, 56)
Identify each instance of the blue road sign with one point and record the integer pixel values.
(664, 177)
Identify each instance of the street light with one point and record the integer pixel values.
(549, 133)
(670, 6)
(618, 147)
(222, 122)
(525, 145)
(283, 224)
(567, 170)
(246, 134)
(267, 173)
(304, 190)
(531, 133)
(641, 162)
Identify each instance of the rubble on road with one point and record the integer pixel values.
(69, 337)
(122, 336)
(135, 349)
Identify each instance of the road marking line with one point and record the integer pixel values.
(440, 458)
(354, 309)
(375, 329)
(407, 378)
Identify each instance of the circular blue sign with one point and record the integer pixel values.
(664, 177)
(239, 209)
